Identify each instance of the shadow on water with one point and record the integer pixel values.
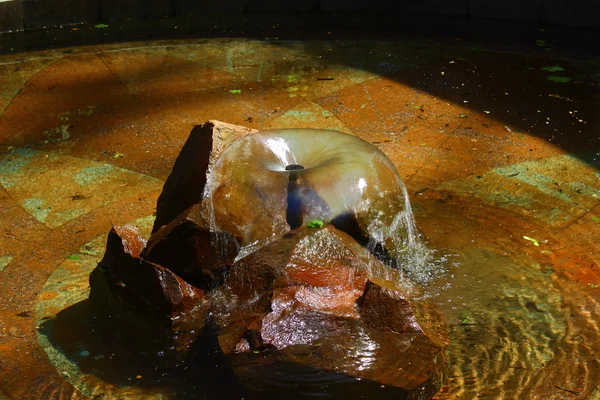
(102, 367)
(533, 93)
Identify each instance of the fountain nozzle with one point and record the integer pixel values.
(294, 167)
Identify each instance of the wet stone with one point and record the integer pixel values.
(311, 300)
(192, 251)
(185, 184)
(148, 308)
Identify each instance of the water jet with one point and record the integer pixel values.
(274, 285)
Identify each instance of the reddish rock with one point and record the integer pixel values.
(311, 299)
(152, 311)
(385, 310)
(192, 251)
(185, 184)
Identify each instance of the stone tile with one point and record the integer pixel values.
(55, 189)
(74, 96)
(308, 115)
(16, 72)
(556, 190)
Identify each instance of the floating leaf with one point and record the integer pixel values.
(532, 240)
(235, 91)
(540, 43)
(118, 155)
(462, 115)
(553, 68)
(100, 26)
(559, 79)
(315, 223)
(73, 257)
(595, 219)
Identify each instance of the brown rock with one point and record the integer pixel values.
(311, 299)
(385, 310)
(185, 184)
(152, 311)
(192, 251)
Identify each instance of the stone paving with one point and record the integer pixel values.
(88, 135)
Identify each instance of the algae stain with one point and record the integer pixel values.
(58, 134)
(91, 175)
(4, 261)
(16, 160)
(306, 116)
(36, 208)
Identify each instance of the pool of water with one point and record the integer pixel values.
(500, 161)
(521, 324)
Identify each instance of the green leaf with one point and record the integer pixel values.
(235, 91)
(559, 79)
(540, 43)
(315, 223)
(553, 68)
(595, 219)
(532, 240)
(462, 115)
(100, 26)
(73, 257)
(118, 155)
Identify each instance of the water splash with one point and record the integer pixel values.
(340, 179)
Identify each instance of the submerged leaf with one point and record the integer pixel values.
(559, 79)
(315, 223)
(532, 240)
(553, 68)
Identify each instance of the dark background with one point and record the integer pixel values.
(574, 22)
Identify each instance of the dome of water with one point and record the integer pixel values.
(272, 181)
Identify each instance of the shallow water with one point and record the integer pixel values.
(496, 158)
(518, 327)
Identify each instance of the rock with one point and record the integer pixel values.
(386, 311)
(152, 311)
(192, 251)
(316, 298)
(185, 184)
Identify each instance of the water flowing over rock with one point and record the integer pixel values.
(277, 247)
(310, 298)
(147, 307)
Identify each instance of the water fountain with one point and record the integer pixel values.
(292, 259)
(497, 146)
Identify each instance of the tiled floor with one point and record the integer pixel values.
(88, 135)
